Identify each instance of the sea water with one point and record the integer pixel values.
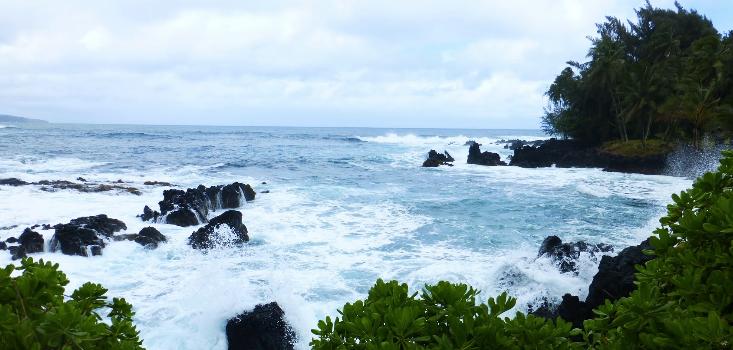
(345, 207)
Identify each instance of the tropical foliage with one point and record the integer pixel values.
(35, 314)
(668, 75)
(683, 300)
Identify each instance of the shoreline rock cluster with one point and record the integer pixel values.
(558, 153)
(191, 207)
(614, 279)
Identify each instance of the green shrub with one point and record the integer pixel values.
(35, 315)
(445, 316)
(683, 300)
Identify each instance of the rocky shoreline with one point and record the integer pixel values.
(557, 153)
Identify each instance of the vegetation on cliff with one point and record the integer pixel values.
(669, 75)
(683, 300)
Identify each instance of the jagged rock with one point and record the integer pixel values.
(470, 143)
(182, 217)
(436, 159)
(31, 241)
(614, 280)
(13, 182)
(11, 240)
(225, 229)
(573, 310)
(85, 236)
(192, 206)
(148, 237)
(3, 245)
(615, 277)
(475, 156)
(567, 254)
(263, 328)
(572, 154)
(81, 179)
(149, 214)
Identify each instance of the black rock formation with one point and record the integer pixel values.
(149, 237)
(191, 207)
(263, 328)
(85, 236)
(436, 159)
(566, 254)
(211, 235)
(475, 156)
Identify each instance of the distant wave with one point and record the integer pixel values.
(8, 127)
(131, 135)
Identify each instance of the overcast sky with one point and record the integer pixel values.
(462, 64)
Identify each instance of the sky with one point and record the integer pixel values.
(377, 63)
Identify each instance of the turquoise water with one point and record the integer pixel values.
(346, 206)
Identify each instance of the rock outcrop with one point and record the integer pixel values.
(223, 230)
(85, 236)
(475, 156)
(614, 280)
(572, 154)
(82, 186)
(263, 328)
(191, 207)
(28, 242)
(149, 237)
(566, 254)
(437, 159)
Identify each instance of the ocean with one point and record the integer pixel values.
(345, 206)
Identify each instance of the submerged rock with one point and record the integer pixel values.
(475, 156)
(566, 254)
(263, 328)
(13, 182)
(225, 229)
(85, 236)
(436, 159)
(191, 207)
(149, 237)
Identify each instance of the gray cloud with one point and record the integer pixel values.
(375, 63)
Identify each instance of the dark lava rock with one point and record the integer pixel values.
(573, 310)
(470, 143)
(81, 179)
(182, 217)
(572, 154)
(3, 245)
(263, 328)
(192, 206)
(475, 156)
(84, 236)
(13, 182)
(11, 240)
(149, 214)
(157, 183)
(615, 277)
(210, 236)
(31, 241)
(436, 159)
(614, 280)
(567, 254)
(148, 237)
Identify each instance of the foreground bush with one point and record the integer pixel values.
(683, 300)
(445, 316)
(34, 314)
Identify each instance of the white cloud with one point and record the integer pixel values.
(407, 63)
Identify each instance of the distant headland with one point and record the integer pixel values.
(6, 118)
